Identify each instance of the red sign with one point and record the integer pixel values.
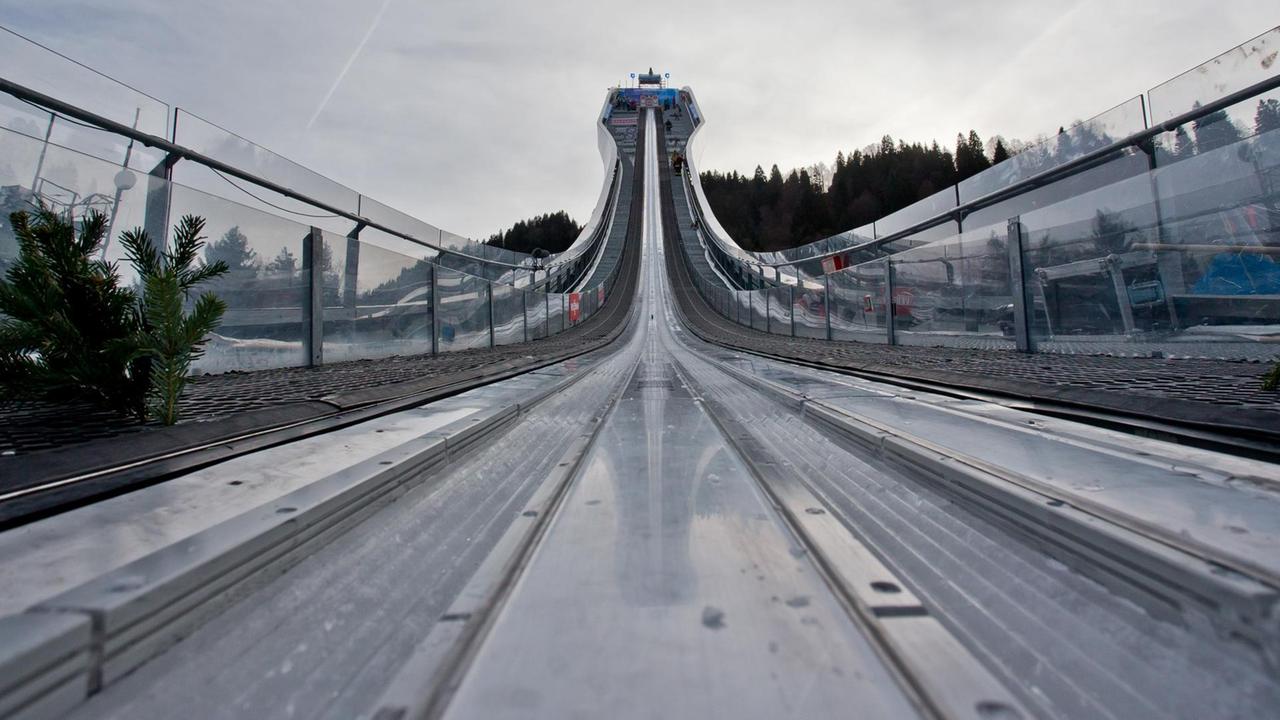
(833, 263)
(867, 306)
(575, 306)
(903, 299)
(600, 295)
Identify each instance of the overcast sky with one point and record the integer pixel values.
(471, 114)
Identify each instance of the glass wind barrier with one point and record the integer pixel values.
(40, 69)
(779, 303)
(204, 137)
(1232, 71)
(508, 315)
(1072, 142)
(462, 311)
(1183, 261)
(955, 292)
(809, 310)
(383, 306)
(374, 302)
(535, 314)
(856, 303)
(555, 314)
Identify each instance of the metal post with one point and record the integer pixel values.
(351, 276)
(435, 312)
(159, 197)
(546, 319)
(826, 302)
(793, 308)
(1017, 284)
(313, 308)
(48, 133)
(768, 317)
(890, 322)
(489, 288)
(524, 312)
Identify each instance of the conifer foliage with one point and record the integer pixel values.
(68, 325)
(69, 330)
(169, 336)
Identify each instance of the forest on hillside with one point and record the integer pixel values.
(553, 232)
(770, 211)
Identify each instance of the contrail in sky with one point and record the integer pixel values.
(350, 61)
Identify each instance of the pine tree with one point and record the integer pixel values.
(1183, 145)
(1000, 153)
(1267, 118)
(66, 323)
(171, 337)
(1214, 130)
(284, 263)
(234, 250)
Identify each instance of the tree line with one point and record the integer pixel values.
(553, 232)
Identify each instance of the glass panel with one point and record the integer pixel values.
(508, 315)
(1231, 71)
(1125, 163)
(1218, 249)
(917, 212)
(956, 292)
(759, 311)
(857, 303)
(1092, 279)
(1076, 141)
(265, 291)
(383, 306)
(462, 321)
(810, 311)
(780, 311)
(34, 172)
(535, 313)
(742, 314)
(208, 139)
(555, 314)
(38, 68)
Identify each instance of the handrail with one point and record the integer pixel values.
(1084, 162)
(176, 152)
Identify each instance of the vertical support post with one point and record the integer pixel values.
(159, 199)
(351, 276)
(890, 312)
(1017, 283)
(546, 319)
(313, 306)
(524, 312)
(768, 317)
(435, 312)
(489, 292)
(826, 302)
(793, 307)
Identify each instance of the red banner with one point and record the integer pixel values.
(575, 306)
